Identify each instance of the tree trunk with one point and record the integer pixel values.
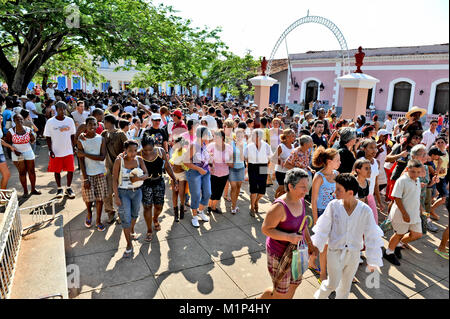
(44, 82)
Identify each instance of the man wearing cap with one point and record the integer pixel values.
(429, 136)
(159, 134)
(179, 127)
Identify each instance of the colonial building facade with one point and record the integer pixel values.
(409, 76)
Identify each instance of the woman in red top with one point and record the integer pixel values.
(23, 157)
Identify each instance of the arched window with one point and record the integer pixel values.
(401, 98)
(441, 99)
(312, 88)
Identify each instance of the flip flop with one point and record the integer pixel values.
(442, 254)
(149, 237)
(88, 222)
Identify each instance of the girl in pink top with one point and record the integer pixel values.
(222, 156)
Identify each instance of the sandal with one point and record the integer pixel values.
(157, 225)
(149, 237)
(434, 217)
(88, 222)
(441, 253)
(134, 236)
(101, 227)
(128, 253)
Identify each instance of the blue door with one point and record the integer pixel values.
(76, 83)
(274, 93)
(61, 83)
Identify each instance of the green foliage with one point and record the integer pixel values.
(113, 29)
(232, 74)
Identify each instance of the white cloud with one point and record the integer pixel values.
(257, 25)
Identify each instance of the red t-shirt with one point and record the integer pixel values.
(440, 120)
(100, 128)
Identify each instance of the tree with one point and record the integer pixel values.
(32, 32)
(191, 55)
(232, 73)
(69, 63)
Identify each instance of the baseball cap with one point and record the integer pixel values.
(155, 116)
(177, 113)
(435, 151)
(382, 132)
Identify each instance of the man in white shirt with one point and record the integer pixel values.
(389, 124)
(80, 115)
(212, 123)
(51, 92)
(30, 106)
(60, 133)
(346, 225)
(430, 135)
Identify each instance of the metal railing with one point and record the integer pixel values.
(10, 239)
(39, 213)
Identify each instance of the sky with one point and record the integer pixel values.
(256, 25)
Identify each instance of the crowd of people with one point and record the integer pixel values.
(127, 145)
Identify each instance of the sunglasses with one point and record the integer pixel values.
(156, 120)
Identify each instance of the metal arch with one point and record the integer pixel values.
(320, 20)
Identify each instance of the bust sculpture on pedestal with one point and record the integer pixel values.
(359, 57)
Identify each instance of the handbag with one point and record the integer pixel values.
(300, 256)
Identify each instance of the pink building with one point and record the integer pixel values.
(409, 76)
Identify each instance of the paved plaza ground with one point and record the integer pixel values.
(224, 258)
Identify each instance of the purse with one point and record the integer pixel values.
(300, 256)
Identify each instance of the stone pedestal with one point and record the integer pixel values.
(356, 89)
(262, 85)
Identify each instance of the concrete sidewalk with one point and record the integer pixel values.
(224, 258)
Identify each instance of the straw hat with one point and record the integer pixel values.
(416, 109)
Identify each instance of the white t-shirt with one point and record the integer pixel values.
(212, 124)
(429, 138)
(60, 132)
(80, 118)
(409, 192)
(31, 107)
(373, 176)
(129, 109)
(389, 126)
(255, 156)
(51, 93)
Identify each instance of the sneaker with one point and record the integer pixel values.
(391, 258)
(60, 193)
(398, 252)
(233, 211)
(202, 216)
(70, 193)
(432, 227)
(195, 222)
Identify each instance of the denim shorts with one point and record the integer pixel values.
(237, 174)
(131, 205)
(2, 158)
(441, 187)
(27, 156)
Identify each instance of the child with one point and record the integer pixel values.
(405, 213)
(362, 171)
(343, 224)
(370, 149)
(92, 153)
